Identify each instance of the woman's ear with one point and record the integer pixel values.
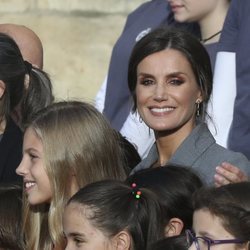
(2, 88)
(199, 96)
(122, 241)
(174, 227)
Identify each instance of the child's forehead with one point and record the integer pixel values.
(82, 209)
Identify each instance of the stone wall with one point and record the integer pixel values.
(78, 36)
(107, 6)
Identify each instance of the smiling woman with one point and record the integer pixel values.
(167, 92)
(170, 78)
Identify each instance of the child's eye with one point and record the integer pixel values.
(32, 156)
(78, 241)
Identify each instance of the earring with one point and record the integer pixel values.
(140, 119)
(198, 108)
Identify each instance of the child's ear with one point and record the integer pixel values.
(2, 88)
(122, 241)
(174, 227)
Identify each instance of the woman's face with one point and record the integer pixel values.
(192, 10)
(167, 91)
(80, 233)
(32, 168)
(208, 225)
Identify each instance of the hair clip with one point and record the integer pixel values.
(133, 185)
(136, 193)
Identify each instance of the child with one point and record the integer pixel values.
(66, 146)
(110, 215)
(174, 185)
(221, 218)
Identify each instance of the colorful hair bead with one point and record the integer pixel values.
(138, 195)
(136, 192)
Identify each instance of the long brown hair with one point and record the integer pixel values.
(77, 140)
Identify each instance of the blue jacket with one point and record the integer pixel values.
(236, 38)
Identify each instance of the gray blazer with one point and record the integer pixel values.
(200, 152)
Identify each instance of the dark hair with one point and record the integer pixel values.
(10, 217)
(13, 70)
(131, 155)
(178, 242)
(182, 41)
(174, 185)
(231, 203)
(115, 208)
(38, 95)
(12, 73)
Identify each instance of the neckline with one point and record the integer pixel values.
(209, 38)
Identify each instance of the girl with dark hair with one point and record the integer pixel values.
(170, 79)
(20, 85)
(110, 215)
(174, 186)
(221, 218)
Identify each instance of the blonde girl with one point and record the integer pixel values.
(66, 146)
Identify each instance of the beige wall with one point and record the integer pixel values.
(77, 35)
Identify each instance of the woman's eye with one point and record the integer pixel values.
(176, 81)
(146, 82)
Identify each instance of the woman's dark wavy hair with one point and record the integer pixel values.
(115, 208)
(231, 203)
(174, 185)
(13, 70)
(182, 41)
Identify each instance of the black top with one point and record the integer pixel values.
(10, 152)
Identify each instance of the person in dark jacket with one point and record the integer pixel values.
(24, 86)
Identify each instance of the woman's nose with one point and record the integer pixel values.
(160, 92)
